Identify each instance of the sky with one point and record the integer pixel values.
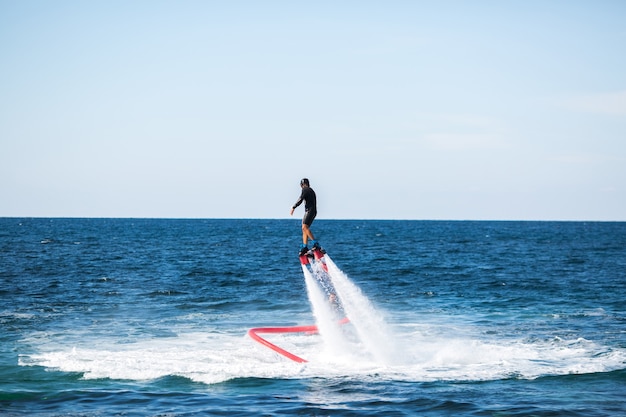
(426, 110)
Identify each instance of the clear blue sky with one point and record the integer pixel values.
(393, 109)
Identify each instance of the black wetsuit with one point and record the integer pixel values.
(310, 205)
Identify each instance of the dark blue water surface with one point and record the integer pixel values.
(149, 317)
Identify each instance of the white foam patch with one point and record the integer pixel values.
(214, 357)
(208, 358)
(468, 359)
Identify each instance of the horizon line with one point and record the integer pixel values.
(317, 219)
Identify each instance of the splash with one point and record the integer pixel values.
(332, 294)
(369, 323)
(325, 313)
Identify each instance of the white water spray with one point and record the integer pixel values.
(373, 337)
(325, 318)
(369, 323)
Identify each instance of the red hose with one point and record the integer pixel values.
(253, 333)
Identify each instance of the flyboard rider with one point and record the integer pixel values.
(310, 211)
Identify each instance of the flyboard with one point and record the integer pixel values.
(314, 255)
(314, 261)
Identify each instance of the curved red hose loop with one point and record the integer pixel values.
(312, 329)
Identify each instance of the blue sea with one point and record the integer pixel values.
(150, 317)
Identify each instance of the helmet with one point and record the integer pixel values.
(304, 181)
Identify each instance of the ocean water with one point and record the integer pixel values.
(147, 317)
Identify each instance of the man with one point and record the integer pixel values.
(310, 211)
